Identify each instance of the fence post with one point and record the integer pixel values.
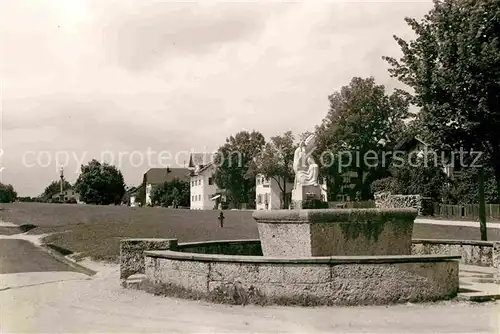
(482, 206)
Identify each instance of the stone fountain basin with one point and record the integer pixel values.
(335, 232)
(235, 272)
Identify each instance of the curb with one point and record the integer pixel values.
(478, 297)
(457, 223)
(66, 260)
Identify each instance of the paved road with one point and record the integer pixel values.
(20, 256)
(100, 305)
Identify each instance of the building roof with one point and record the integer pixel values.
(200, 159)
(409, 143)
(132, 190)
(161, 175)
(202, 169)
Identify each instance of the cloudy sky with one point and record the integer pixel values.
(126, 81)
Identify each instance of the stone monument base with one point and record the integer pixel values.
(302, 193)
(335, 232)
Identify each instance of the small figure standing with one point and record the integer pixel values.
(221, 219)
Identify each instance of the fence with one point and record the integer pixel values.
(352, 205)
(467, 211)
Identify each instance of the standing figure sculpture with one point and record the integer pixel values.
(305, 168)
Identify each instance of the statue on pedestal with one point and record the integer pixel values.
(306, 170)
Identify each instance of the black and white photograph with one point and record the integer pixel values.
(259, 166)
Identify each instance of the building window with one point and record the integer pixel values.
(199, 197)
(259, 199)
(210, 181)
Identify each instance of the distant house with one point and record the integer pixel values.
(412, 144)
(157, 176)
(419, 146)
(268, 193)
(204, 191)
(346, 188)
(131, 195)
(69, 195)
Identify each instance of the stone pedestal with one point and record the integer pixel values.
(301, 193)
(335, 232)
(132, 253)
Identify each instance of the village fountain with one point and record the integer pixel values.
(304, 256)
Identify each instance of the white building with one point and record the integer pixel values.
(158, 176)
(203, 188)
(204, 191)
(268, 193)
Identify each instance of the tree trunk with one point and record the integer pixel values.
(285, 199)
(282, 200)
(496, 170)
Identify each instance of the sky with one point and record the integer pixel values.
(140, 84)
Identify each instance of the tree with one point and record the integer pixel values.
(276, 162)
(174, 193)
(233, 161)
(453, 68)
(418, 176)
(464, 188)
(7, 193)
(362, 118)
(54, 188)
(100, 184)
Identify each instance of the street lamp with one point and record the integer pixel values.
(61, 186)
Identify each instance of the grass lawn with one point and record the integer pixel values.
(96, 231)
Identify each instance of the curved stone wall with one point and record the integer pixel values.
(353, 280)
(472, 252)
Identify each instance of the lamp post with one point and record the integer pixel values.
(61, 186)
